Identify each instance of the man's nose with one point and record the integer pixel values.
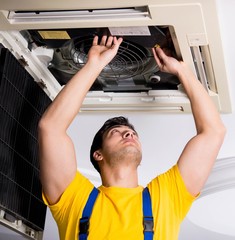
(128, 134)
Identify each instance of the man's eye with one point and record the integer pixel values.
(114, 131)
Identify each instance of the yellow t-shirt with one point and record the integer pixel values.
(118, 213)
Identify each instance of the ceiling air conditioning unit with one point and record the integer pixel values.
(52, 38)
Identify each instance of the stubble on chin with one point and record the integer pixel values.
(128, 156)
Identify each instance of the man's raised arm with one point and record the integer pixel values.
(57, 155)
(199, 154)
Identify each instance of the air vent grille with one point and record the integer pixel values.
(131, 59)
(22, 103)
(203, 66)
(98, 14)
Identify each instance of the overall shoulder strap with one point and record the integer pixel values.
(147, 215)
(84, 221)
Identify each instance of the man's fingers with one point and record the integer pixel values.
(95, 41)
(156, 56)
(109, 42)
(119, 40)
(103, 40)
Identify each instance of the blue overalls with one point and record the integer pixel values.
(147, 215)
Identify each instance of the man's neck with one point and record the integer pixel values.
(125, 177)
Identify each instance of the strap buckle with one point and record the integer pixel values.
(84, 225)
(148, 224)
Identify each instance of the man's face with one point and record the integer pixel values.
(121, 144)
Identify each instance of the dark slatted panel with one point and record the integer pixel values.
(22, 103)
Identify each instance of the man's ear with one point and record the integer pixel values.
(97, 155)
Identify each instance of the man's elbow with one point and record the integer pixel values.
(48, 126)
(219, 132)
(215, 133)
(222, 130)
(44, 125)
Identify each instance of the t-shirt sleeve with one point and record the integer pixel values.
(169, 192)
(75, 194)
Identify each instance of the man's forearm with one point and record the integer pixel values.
(205, 113)
(67, 104)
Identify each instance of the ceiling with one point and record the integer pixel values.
(211, 216)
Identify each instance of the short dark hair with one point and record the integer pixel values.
(98, 139)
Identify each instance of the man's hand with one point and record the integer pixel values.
(166, 63)
(103, 52)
